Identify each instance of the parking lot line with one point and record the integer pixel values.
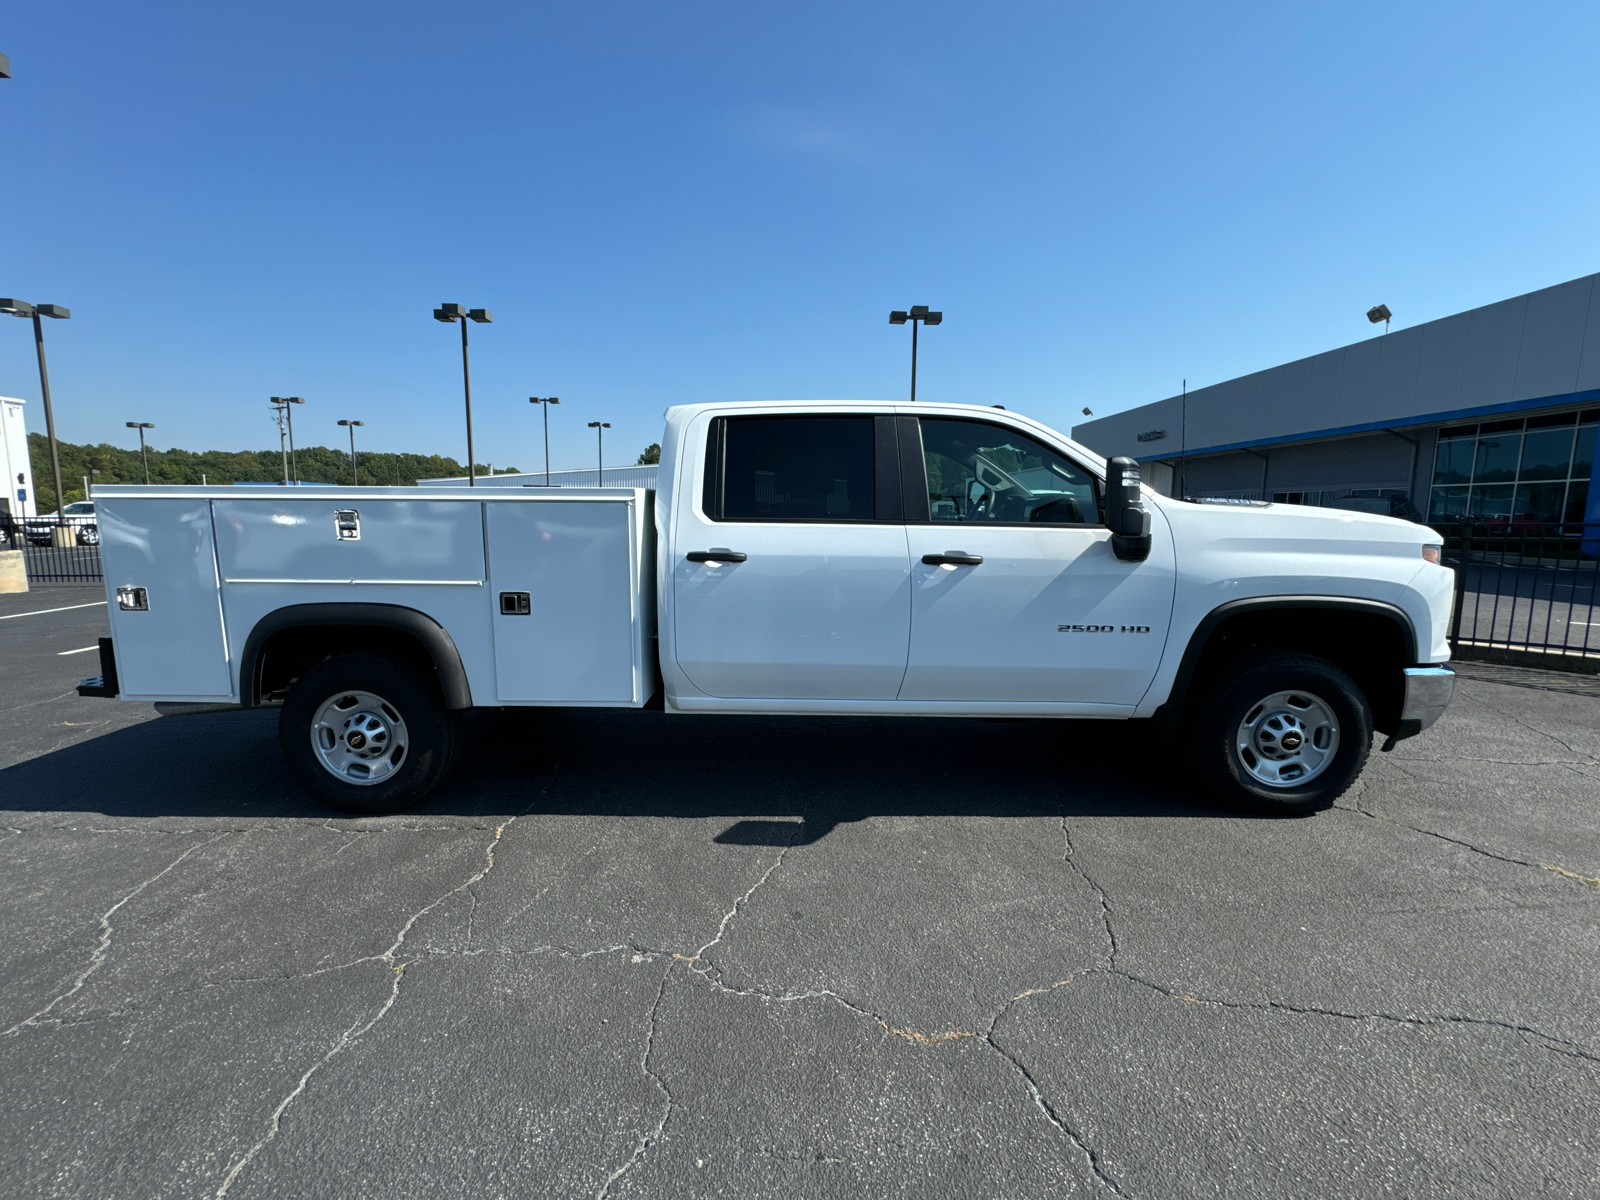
(80, 650)
(39, 612)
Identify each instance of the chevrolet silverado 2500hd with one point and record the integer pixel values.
(930, 560)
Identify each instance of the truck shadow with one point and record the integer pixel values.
(780, 780)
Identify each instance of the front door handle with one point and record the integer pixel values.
(718, 556)
(954, 558)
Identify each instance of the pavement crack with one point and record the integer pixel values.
(646, 1140)
(1048, 1110)
(1069, 855)
(1416, 1020)
(97, 957)
(728, 917)
(1466, 845)
(397, 965)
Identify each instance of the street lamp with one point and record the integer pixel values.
(1380, 312)
(600, 428)
(546, 402)
(918, 314)
(355, 475)
(454, 312)
(282, 403)
(141, 426)
(21, 308)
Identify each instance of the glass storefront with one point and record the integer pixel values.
(1532, 470)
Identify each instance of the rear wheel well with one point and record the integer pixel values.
(290, 653)
(1370, 647)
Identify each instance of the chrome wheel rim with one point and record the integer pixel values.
(359, 737)
(1287, 739)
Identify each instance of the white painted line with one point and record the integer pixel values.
(84, 650)
(39, 612)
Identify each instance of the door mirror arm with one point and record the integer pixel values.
(1126, 515)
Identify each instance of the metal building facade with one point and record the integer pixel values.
(1436, 418)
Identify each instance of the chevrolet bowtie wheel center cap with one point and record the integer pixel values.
(1287, 739)
(359, 737)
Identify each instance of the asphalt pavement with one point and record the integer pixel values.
(631, 954)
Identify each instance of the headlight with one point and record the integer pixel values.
(1432, 553)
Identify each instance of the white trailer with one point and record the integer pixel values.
(838, 557)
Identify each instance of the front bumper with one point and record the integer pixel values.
(1428, 692)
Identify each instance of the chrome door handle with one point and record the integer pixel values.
(954, 558)
(718, 556)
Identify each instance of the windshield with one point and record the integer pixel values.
(82, 508)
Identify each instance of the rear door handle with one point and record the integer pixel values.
(705, 556)
(954, 558)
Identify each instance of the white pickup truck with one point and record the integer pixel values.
(933, 560)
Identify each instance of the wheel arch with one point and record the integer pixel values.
(286, 640)
(1371, 640)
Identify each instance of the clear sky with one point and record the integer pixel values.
(669, 203)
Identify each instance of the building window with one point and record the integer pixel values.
(1385, 502)
(1519, 471)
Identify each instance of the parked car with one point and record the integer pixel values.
(79, 516)
(931, 560)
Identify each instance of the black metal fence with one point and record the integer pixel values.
(54, 549)
(1526, 590)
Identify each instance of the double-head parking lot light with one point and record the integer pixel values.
(21, 308)
(545, 402)
(600, 428)
(454, 312)
(917, 314)
(141, 426)
(355, 475)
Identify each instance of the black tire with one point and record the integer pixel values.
(1237, 692)
(431, 741)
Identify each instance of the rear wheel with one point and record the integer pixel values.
(366, 734)
(1282, 734)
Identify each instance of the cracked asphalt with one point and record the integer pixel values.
(625, 954)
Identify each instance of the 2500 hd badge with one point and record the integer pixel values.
(1102, 628)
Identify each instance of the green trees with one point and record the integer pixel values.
(316, 464)
(652, 454)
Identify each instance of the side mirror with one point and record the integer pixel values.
(1126, 515)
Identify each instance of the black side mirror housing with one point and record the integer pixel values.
(1126, 515)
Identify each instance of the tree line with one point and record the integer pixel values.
(105, 463)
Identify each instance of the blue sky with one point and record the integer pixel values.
(664, 204)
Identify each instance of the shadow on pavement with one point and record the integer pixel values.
(787, 780)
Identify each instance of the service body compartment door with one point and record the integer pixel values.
(565, 597)
(174, 650)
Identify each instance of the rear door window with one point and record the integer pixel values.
(791, 469)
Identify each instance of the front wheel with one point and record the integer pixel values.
(1283, 734)
(366, 734)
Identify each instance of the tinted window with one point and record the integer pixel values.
(985, 473)
(797, 469)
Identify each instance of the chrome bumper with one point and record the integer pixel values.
(1429, 691)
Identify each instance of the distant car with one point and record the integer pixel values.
(79, 515)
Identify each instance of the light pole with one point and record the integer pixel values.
(283, 403)
(600, 428)
(141, 426)
(1380, 312)
(454, 312)
(917, 315)
(546, 402)
(21, 308)
(355, 475)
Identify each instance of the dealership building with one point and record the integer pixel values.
(1487, 415)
